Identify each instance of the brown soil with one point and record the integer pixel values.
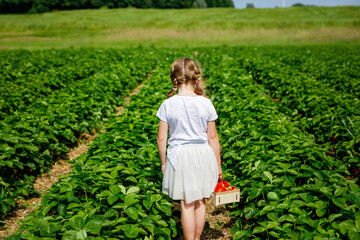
(217, 225)
(135, 91)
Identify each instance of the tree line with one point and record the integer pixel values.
(39, 6)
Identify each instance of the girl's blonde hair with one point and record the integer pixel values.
(184, 71)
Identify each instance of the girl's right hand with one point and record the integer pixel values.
(220, 171)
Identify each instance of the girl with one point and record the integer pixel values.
(191, 165)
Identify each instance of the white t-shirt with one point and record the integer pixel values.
(187, 117)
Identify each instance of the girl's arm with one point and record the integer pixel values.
(161, 142)
(214, 143)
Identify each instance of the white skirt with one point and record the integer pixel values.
(195, 176)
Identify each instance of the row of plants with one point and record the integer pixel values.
(113, 191)
(27, 76)
(31, 140)
(320, 88)
(290, 188)
(333, 66)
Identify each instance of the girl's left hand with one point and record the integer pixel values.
(163, 168)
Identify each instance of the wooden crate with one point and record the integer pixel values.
(226, 197)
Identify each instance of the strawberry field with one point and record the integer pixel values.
(288, 125)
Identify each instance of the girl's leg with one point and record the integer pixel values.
(188, 219)
(200, 216)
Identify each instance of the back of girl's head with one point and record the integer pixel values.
(185, 71)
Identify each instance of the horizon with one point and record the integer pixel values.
(289, 3)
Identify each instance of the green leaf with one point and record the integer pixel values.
(111, 213)
(347, 225)
(162, 223)
(296, 210)
(297, 203)
(93, 226)
(320, 212)
(284, 191)
(132, 212)
(114, 174)
(272, 196)
(340, 202)
(273, 216)
(249, 212)
(81, 235)
(255, 192)
(268, 175)
(333, 216)
(353, 235)
(70, 235)
(112, 199)
(327, 191)
(147, 203)
(165, 208)
(340, 191)
(132, 231)
(258, 229)
(9, 201)
(115, 189)
(269, 224)
(162, 231)
(77, 223)
(61, 209)
(129, 200)
(274, 234)
(132, 190)
(122, 188)
(105, 193)
(148, 224)
(290, 218)
(241, 234)
(48, 207)
(106, 175)
(44, 227)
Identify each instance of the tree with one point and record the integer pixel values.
(219, 3)
(200, 4)
(250, 5)
(142, 3)
(298, 5)
(159, 3)
(211, 3)
(229, 3)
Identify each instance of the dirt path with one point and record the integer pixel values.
(44, 182)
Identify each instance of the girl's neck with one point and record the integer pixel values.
(186, 90)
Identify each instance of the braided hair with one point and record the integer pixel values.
(184, 71)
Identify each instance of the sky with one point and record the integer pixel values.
(279, 3)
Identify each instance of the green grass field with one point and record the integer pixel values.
(189, 27)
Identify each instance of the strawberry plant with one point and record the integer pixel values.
(318, 87)
(274, 148)
(291, 188)
(113, 190)
(32, 138)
